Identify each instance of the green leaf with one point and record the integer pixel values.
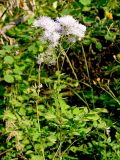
(1, 66)
(76, 111)
(30, 20)
(22, 111)
(29, 151)
(8, 48)
(36, 157)
(35, 136)
(9, 115)
(92, 117)
(32, 48)
(101, 110)
(102, 3)
(110, 36)
(88, 20)
(50, 116)
(86, 9)
(85, 2)
(41, 48)
(2, 53)
(87, 42)
(99, 46)
(9, 78)
(64, 106)
(86, 110)
(66, 12)
(2, 90)
(116, 68)
(18, 77)
(8, 60)
(17, 70)
(52, 138)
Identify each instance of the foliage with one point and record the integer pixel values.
(69, 111)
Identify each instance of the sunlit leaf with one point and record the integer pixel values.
(85, 2)
(8, 60)
(9, 78)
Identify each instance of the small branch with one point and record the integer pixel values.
(3, 13)
(15, 23)
(64, 53)
(57, 151)
(68, 147)
(4, 36)
(6, 151)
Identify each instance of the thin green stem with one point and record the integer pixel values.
(111, 94)
(81, 99)
(39, 70)
(43, 154)
(68, 147)
(64, 56)
(38, 95)
(86, 65)
(64, 53)
(57, 150)
(88, 74)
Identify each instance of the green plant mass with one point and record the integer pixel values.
(60, 80)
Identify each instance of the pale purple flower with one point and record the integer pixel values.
(53, 30)
(72, 39)
(63, 26)
(66, 21)
(48, 57)
(71, 26)
(47, 24)
(40, 59)
(53, 37)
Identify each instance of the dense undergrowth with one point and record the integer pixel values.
(67, 111)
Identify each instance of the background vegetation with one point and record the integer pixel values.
(48, 113)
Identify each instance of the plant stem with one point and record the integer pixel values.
(88, 74)
(38, 96)
(64, 53)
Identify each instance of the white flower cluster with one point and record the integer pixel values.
(51, 29)
(48, 57)
(70, 26)
(62, 26)
(54, 29)
(46, 23)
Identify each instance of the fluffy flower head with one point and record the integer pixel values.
(47, 24)
(71, 26)
(53, 38)
(48, 57)
(66, 21)
(63, 26)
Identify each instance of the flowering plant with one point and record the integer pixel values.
(55, 29)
